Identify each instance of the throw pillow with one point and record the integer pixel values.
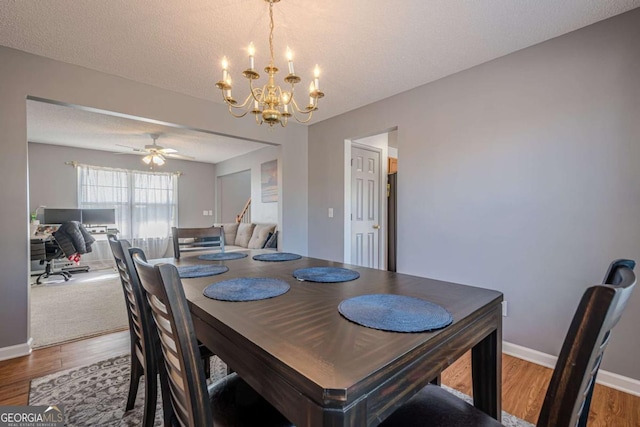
(244, 234)
(272, 242)
(260, 235)
(267, 241)
(230, 230)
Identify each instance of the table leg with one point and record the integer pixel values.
(486, 371)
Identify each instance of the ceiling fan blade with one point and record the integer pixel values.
(132, 148)
(167, 150)
(179, 156)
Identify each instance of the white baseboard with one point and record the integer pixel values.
(16, 350)
(606, 378)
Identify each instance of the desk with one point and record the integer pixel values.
(320, 369)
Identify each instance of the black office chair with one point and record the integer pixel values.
(228, 402)
(52, 251)
(569, 394)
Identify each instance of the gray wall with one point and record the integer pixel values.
(260, 212)
(54, 184)
(23, 75)
(233, 192)
(519, 175)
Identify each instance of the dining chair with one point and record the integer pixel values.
(185, 239)
(144, 356)
(228, 402)
(568, 396)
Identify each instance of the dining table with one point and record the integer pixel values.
(320, 369)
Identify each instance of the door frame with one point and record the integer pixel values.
(382, 206)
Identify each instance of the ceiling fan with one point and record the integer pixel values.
(155, 155)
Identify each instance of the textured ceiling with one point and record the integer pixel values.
(367, 49)
(71, 127)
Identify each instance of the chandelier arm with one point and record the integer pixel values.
(300, 110)
(255, 91)
(295, 116)
(241, 106)
(237, 116)
(238, 107)
(292, 92)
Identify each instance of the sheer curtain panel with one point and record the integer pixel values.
(146, 203)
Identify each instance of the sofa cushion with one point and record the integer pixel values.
(230, 231)
(244, 234)
(260, 235)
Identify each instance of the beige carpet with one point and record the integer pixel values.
(87, 305)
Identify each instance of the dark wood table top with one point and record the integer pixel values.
(301, 340)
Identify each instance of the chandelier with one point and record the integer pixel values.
(270, 103)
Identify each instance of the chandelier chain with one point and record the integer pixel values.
(271, 30)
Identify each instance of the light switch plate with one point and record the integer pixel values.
(330, 212)
(210, 213)
(205, 213)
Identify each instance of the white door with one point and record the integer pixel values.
(365, 207)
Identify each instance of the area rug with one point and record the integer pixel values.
(95, 395)
(89, 304)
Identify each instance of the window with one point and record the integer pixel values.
(146, 203)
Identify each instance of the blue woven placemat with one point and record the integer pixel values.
(246, 289)
(325, 274)
(191, 271)
(222, 256)
(397, 313)
(277, 257)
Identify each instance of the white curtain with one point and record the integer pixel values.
(146, 204)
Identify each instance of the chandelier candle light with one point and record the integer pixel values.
(270, 104)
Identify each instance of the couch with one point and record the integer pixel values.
(249, 236)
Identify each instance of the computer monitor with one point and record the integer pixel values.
(98, 216)
(58, 216)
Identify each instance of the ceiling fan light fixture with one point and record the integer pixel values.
(147, 159)
(157, 160)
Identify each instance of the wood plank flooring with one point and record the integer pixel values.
(524, 383)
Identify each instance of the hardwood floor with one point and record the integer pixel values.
(16, 374)
(524, 383)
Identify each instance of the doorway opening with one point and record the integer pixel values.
(234, 190)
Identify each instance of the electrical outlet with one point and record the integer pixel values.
(504, 309)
